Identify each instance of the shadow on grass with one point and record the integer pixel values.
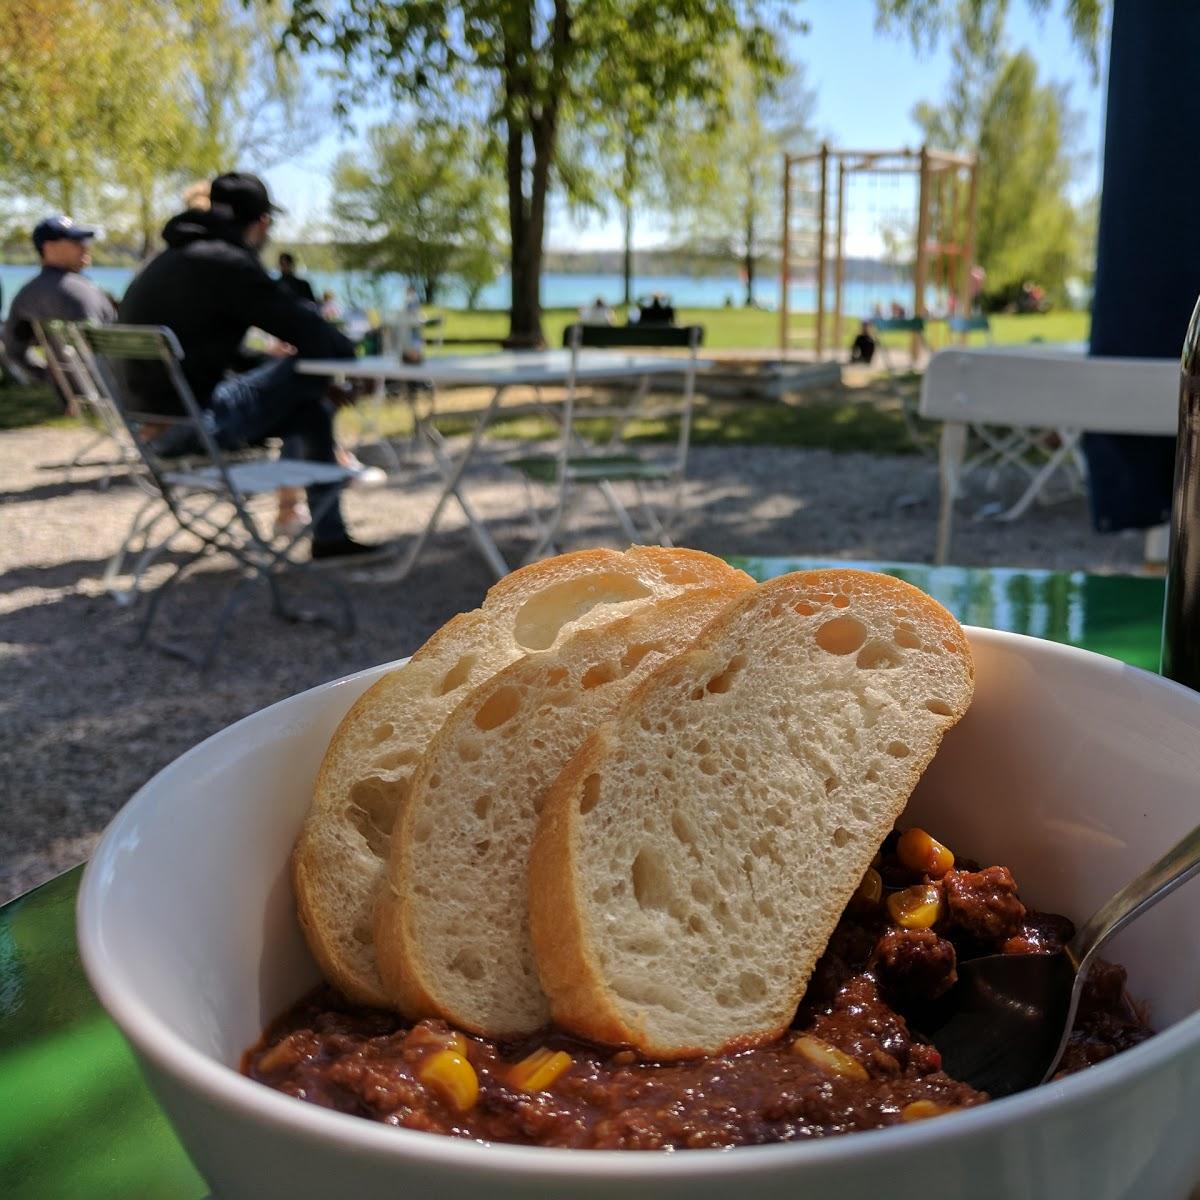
(838, 426)
(22, 405)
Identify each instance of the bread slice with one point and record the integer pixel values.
(693, 858)
(340, 854)
(452, 926)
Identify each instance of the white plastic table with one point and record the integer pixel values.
(531, 368)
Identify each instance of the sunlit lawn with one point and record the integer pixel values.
(740, 328)
(839, 417)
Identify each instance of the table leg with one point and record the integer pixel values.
(452, 473)
(1068, 439)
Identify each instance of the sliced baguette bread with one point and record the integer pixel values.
(693, 858)
(340, 853)
(452, 923)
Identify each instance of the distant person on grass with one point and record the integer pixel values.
(209, 287)
(597, 313)
(660, 311)
(58, 292)
(291, 282)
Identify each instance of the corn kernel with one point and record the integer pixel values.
(827, 1057)
(919, 852)
(452, 1077)
(916, 907)
(870, 890)
(539, 1070)
(919, 1110)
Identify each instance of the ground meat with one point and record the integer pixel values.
(983, 904)
(1041, 933)
(914, 966)
(611, 1099)
(873, 979)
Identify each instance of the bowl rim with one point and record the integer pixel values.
(253, 1103)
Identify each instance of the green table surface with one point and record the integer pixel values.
(76, 1120)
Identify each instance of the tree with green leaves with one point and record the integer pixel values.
(723, 175)
(417, 205)
(536, 64)
(109, 109)
(1023, 132)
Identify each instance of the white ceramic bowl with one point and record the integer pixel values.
(1072, 769)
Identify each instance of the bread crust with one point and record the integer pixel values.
(335, 865)
(566, 926)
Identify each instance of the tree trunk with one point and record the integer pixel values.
(525, 315)
(628, 266)
(535, 118)
(627, 206)
(146, 214)
(748, 261)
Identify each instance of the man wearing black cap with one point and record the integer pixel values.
(58, 292)
(209, 287)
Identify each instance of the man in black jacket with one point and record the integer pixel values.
(209, 287)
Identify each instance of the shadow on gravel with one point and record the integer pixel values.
(86, 718)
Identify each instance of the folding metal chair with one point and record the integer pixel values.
(919, 434)
(73, 371)
(577, 464)
(68, 372)
(206, 495)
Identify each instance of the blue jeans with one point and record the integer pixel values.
(273, 401)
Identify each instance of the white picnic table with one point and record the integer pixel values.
(1037, 387)
(499, 372)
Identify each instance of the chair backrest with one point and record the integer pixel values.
(109, 348)
(73, 377)
(976, 324)
(1045, 389)
(898, 324)
(612, 337)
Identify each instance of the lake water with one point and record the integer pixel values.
(559, 290)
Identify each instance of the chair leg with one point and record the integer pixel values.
(950, 458)
(160, 593)
(657, 527)
(1039, 481)
(619, 511)
(116, 561)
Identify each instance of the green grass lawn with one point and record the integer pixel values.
(744, 328)
(838, 417)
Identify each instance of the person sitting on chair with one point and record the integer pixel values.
(58, 291)
(209, 287)
(291, 282)
(658, 312)
(862, 349)
(598, 313)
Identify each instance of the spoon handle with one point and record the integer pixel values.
(1177, 866)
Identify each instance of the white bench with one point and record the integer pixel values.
(1053, 389)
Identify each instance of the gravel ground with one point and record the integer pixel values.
(85, 719)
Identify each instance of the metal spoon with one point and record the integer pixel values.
(1010, 1015)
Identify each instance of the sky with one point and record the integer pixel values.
(866, 82)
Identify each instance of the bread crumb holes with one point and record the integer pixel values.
(499, 707)
(842, 635)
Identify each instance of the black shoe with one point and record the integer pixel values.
(346, 549)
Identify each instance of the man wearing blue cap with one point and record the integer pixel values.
(58, 291)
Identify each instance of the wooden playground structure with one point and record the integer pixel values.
(938, 239)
